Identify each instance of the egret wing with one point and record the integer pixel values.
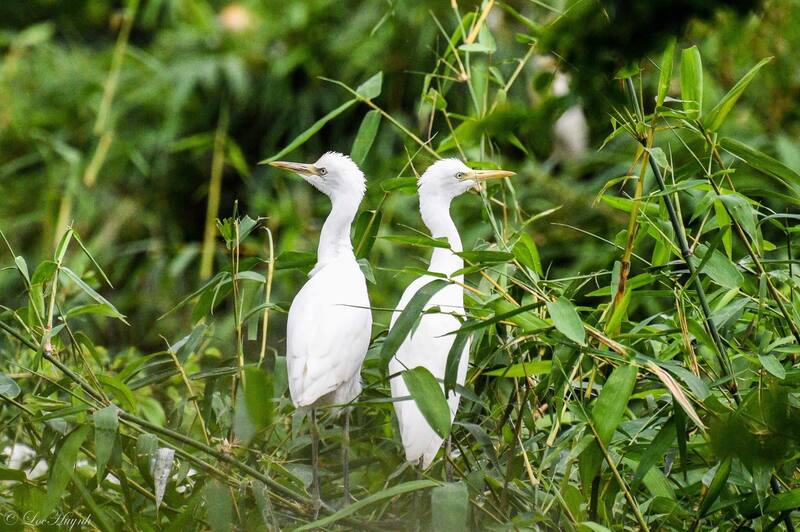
(328, 332)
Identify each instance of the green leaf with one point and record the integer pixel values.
(8, 387)
(367, 226)
(450, 507)
(371, 88)
(295, 259)
(665, 76)
(310, 132)
(763, 163)
(120, 390)
(716, 486)
(106, 425)
(219, 506)
(16, 475)
(350, 509)
(717, 115)
(428, 395)
(365, 136)
(612, 401)
(405, 184)
(486, 257)
(654, 452)
(566, 319)
(606, 415)
(146, 445)
(408, 318)
(88, 290)
(721, 270)
(61, 473)
(692, 82)
(527, 253)
(741, 211)
(418, 241)
(772, 365)
(453, 360)
(523, 369)
(258, 396)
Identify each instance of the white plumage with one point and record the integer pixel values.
(429, 344)
(328, 335)
(330, 320)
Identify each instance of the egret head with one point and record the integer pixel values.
(449, 178)
(334, 174)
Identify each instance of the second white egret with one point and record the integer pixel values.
(429, 343)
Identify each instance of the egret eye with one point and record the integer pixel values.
(323, 172)
(460, 175)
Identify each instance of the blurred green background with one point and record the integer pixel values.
(109, 113)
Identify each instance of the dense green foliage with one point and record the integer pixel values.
(633, 307)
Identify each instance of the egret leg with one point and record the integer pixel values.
(448, 464)
(315, 462)
(346, 456)
(418, 498)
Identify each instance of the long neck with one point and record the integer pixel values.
(334, 240)
(435, 213)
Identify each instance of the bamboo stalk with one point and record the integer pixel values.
(686, 255)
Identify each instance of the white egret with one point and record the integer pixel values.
(429, 344)
(330, 320)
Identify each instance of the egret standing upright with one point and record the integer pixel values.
(330, 320)
(429, 344)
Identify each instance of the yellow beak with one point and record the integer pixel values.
(485, 175)
(298, 168)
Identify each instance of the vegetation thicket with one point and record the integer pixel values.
(632, 306)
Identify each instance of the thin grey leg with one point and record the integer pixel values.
(448, 465)
(315, 462)
(346, 456)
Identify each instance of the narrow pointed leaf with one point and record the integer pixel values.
(61, 473)
(566, 319)
(365, 136)
(394, 491)
(408, 318)
(428, 395)
(450, 507)
(665, 77)
(717, 115)
(106, 425)
(371, 88)
(692, 82)
(310, 132)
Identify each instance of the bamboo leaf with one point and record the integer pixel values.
(692, 82)
(428, 395)
(717, 115)
(665, 77)
(310, 132)
(715, 488)
(365, 136)
(88, 290)
(763, 163)
(219, 506)
(106, 425)
(371, 88)
(408, 318)
(450, 507)
(161, 468)
(8, 387)
(61, 473)
(566, 319)
(454, 356)
(654, 452)
(394, 491)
